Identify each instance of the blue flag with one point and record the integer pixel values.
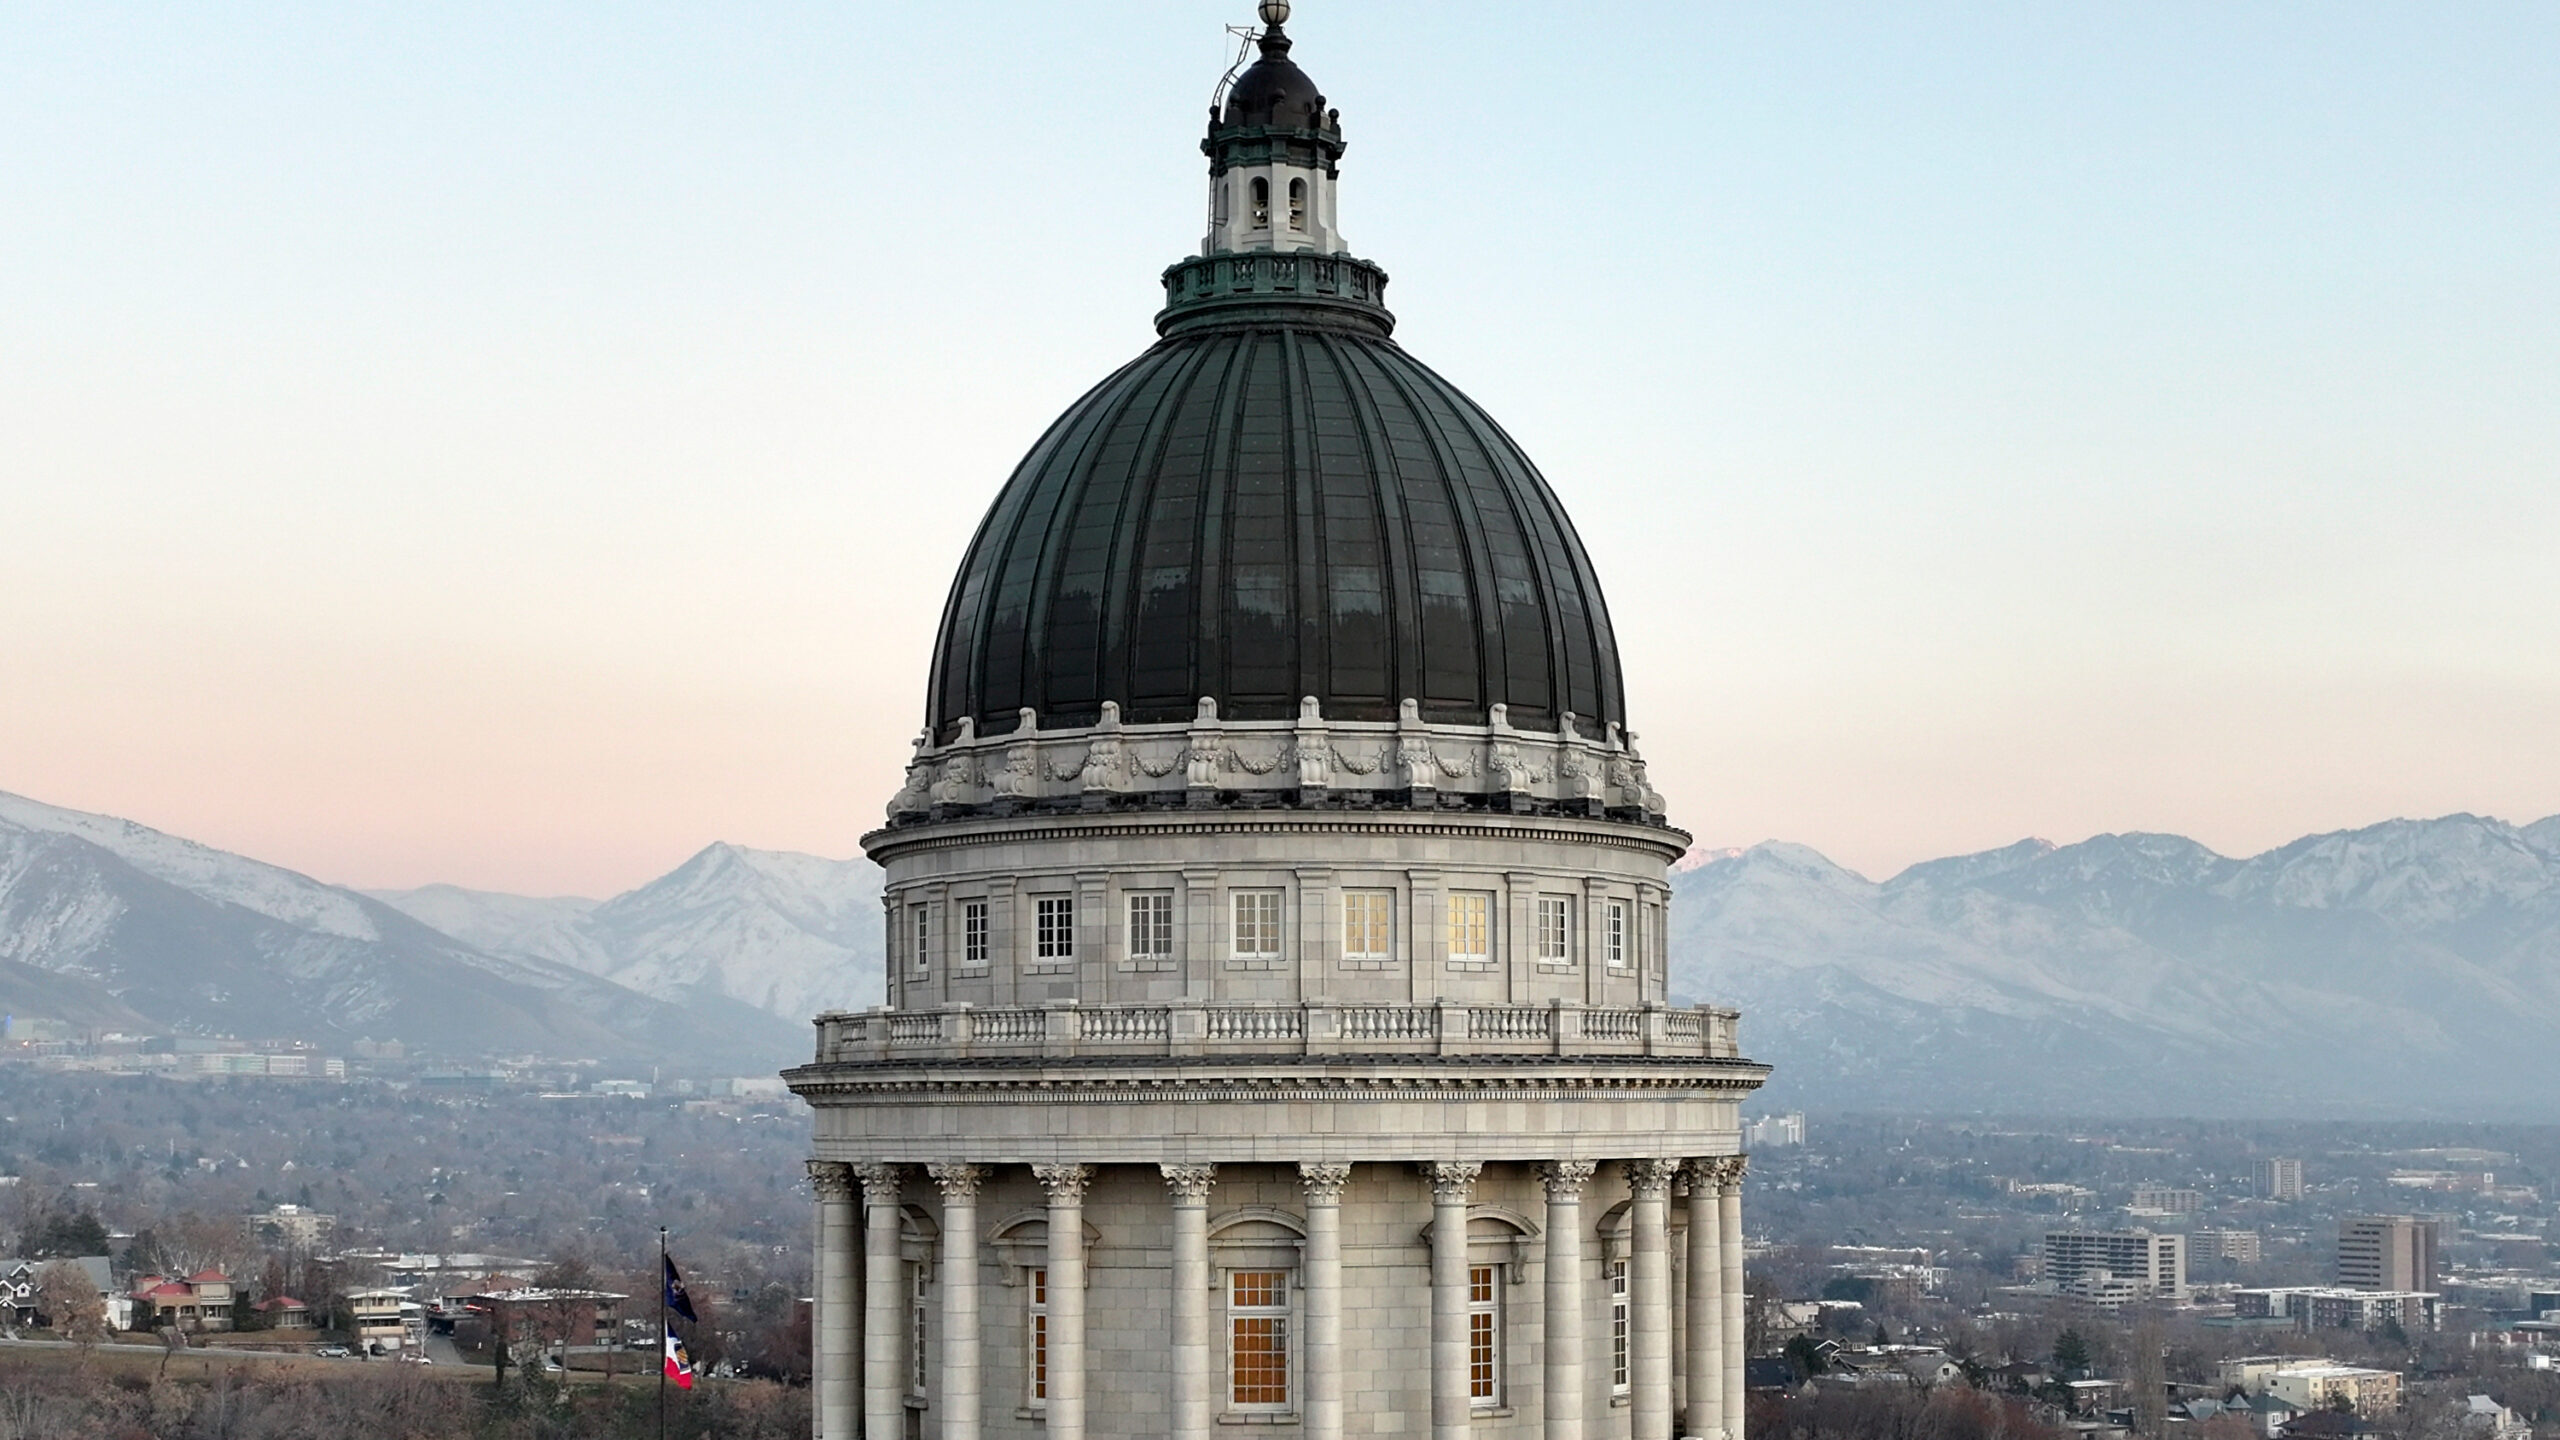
(677, 1300)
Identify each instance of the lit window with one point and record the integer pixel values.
(1484, 1336)
(1617, 934)
(1257, 928)
(1038, 1330)
(1470, 925)
(915, 1333)
(1297, 204)
(973, 932)
(1261, 204)
(1555, 930)
(1617, 1327)
(1057, 927)
(1258, 1339)
(1151, 925)
(920, 927)
(1368, 924)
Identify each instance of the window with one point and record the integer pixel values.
(1617, 937)
(1261, 204)
(973, 933)
(920, 927)
(1617, 1327)
(915, 1332)
(1151, 925)
(1470, 926)
(1257, 929)
(1297, 204)
(1258, 1339)
(1484, 1336)
(1057, 930)
(1555, 930)
(1038, 1330)
(1368, 924)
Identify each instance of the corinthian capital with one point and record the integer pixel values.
(1323, 1181)
(957, 1182)
(1651, 1179)
(1565, 1178)
(880, 1183)
(1189, 1183)
(1452, 1181)
(831, 1179)
(1065, 1183)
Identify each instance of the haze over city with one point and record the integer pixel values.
(515, 447)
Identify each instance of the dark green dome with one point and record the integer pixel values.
(1276, 501)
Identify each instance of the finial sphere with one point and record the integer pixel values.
(1275, 12)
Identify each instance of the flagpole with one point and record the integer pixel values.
(662, 1332)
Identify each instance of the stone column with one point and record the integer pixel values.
(1649, 1297)
(834, 1353)
(1729, 1234)
(1066, 1184)
(1705, 1304)
(1194, 1416)
(1452, 1412)
(956, 1397)
(1567, 1389)
(1323, 1184)
(884, 1387)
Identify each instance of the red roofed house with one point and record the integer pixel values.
(201, 1301)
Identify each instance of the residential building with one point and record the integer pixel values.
(383, 1319)
(2240, 1246)
(19, 1279)
(2102, 1290)
(2370, 1393)
(1771, 1132)
(2155, 1263)
(2334, 1307)
(1278, 1028)
(2161, 1201)
(283, 1312)
(2279, 1180)
(554, 1316)
(2485, 1419)
(201, 1301)
(2387, 1252)
(290, 1226)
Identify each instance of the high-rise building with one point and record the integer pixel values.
(2241, 1246)
(2162, 1201)
(2387, 1252)
(2155, 1263)
(1278, 1027)
(2279, 1180)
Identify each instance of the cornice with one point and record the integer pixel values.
(1660, 840)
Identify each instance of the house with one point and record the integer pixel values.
(283, 1312)
(2486, 1419)
(380, 1319)
(2020, 1377)
(2325, 1424)
(19, 1279)
(201, 1301)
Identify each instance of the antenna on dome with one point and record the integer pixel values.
(1274, 13)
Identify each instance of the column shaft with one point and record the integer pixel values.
(835, 1359)
(1705, 1304)
(1649, 1294)
(1323, 1279)
(1452, 1408)
(1194, 1418)
(958, 1380)
(1066, 1185)
(884, 1388)
(1729, 1234)
(1567, 1388)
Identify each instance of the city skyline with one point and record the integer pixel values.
(495, 448)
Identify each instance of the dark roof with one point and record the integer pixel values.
(1272, 503)
(1273, 91)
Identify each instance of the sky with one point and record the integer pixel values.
(517, 445)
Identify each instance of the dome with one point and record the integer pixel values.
(1275, 502)
(1274, 91)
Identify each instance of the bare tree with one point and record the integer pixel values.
(71, 1304)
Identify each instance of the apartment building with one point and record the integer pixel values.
(2387, 1252)
(2239, 1246)
(2155, 1263)
(2279, 1180)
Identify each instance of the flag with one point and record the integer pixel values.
(679, 1364)
(677, 1300)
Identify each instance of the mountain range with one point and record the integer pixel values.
(2406, 968)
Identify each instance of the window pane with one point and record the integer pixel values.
(973, 923)
(1057, 928)
(1470, 925)
(1261, 1360)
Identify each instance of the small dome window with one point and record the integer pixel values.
(1297, 204)
(1261, 203)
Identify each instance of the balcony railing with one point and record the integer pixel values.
(1178, 1030)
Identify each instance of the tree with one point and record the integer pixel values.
(2071, 1354)
(68, 1236)
(70, 1304)
(1805, 1357)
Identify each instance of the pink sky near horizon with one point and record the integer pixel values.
(517, 448)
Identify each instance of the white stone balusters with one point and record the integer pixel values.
(1323, 1184)
(835, 1358)
(1194, 1416)
(1649, 1293)
(1066, 1185)
(1566, 1386)
(1729, 1235)
(1452, 1408)
(884, 1390)
(959, 1379)
(1705, 1303)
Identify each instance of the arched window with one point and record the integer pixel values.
(1297, 204)
(1261, 203)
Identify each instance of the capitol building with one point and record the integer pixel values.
(1278, 1037)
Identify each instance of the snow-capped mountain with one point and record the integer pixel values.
(107, 923)
(786, 933)
(2411, 966)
